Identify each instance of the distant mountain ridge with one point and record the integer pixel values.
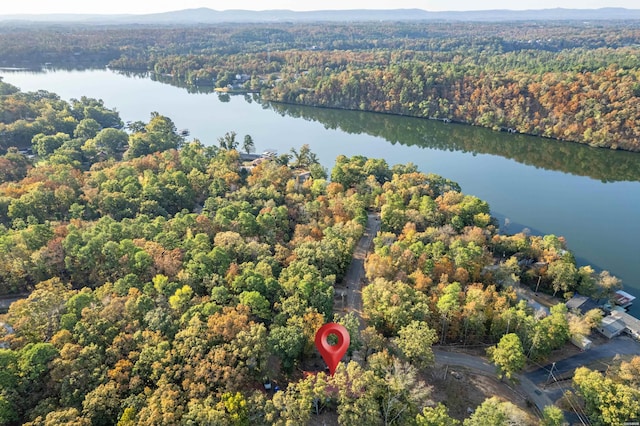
(210, 16)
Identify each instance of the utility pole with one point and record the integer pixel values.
(551, 372)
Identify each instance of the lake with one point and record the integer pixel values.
(590, 196)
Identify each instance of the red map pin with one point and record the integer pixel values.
(332, 354)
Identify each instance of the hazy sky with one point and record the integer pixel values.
(152, 6)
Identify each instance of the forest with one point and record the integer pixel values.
(166, 282)
(571, 81)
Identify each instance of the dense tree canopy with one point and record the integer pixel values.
(608, 401)
(168, 282)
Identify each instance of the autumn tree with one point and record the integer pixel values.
(629, 372)
(357, 395)
(552, 416)
(607, 284)
(415, 341)
(292, 406)
(304, 157)
(391, 306)
(606, 402)
(563, 275)
(36, 318)
(494, 411)
(107, 143)
(448, 305)
(435, 416)
(549, 333)
(159, 134)
(508, 355)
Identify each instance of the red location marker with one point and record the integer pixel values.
(332, 354)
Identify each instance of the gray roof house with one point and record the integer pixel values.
(611, 327)
(631, 323)
(582, 303)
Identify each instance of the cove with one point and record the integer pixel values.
(590, 196)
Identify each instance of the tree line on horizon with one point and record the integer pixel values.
(568, 81)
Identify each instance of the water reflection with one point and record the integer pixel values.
(600, 164)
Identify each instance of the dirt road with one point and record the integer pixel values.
(353, 280)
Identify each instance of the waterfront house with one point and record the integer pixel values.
(581, 303)
(611, 327)
(631, 324)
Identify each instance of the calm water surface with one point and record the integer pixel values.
(589, 196)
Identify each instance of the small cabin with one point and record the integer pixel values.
(303, 177)
(581, 342)
(611, 327)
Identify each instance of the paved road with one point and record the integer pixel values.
(480, 365)
(351, 285)
(533, 385)
(622, 345)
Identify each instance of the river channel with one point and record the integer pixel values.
(590, 196)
